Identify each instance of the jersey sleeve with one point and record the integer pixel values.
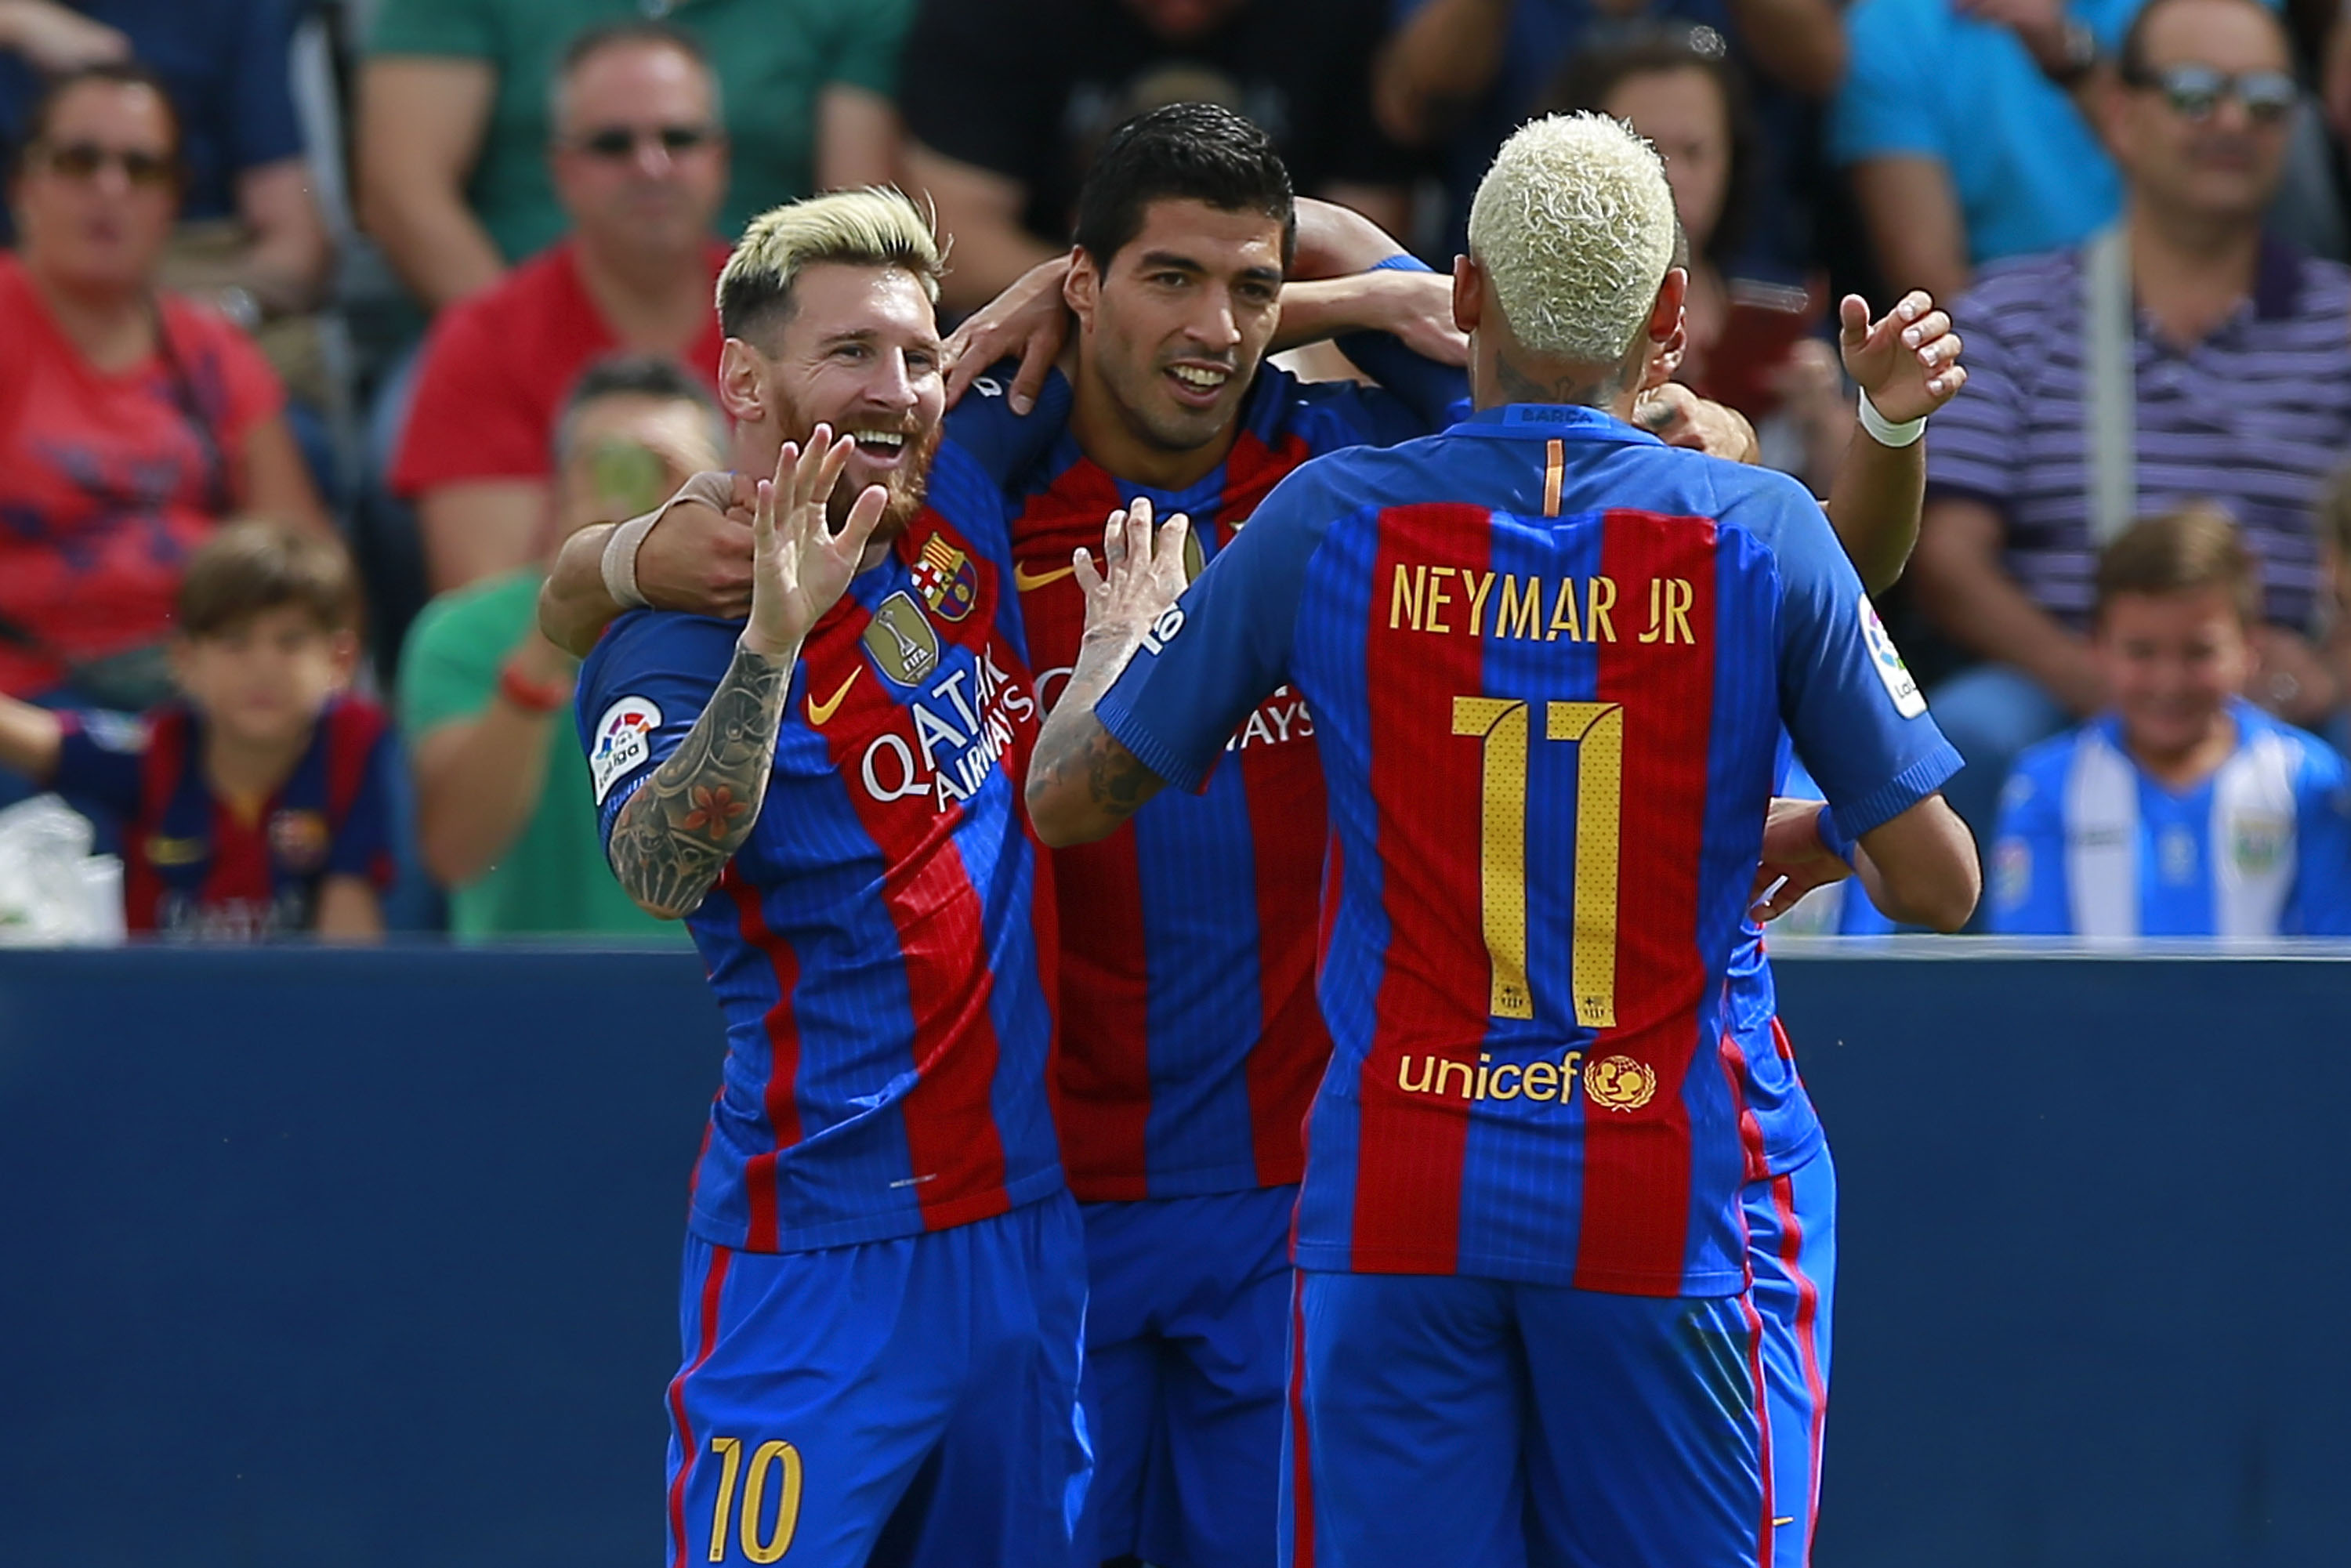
(1222, 648)
(2028, 857)
(102, 757)
(1005, 444)
(2322, 845)
(638, 695)
(1856, 715)
(362, 843)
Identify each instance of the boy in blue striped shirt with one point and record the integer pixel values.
(2182, 810)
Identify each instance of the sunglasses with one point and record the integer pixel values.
(2195, 91)
(615, 142)
(86, 160)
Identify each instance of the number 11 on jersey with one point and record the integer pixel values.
(1503, 726)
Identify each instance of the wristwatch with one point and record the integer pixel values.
(2077, 55)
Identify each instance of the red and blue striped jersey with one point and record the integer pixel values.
(874, 944)
(1191, 1043)
(1549, 659)
(192, 866)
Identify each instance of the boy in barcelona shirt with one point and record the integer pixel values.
(2184, 811)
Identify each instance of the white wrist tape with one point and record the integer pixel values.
(1884, 430)
(620, 560)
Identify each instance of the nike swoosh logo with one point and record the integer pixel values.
(1024, 580)
(818, 712)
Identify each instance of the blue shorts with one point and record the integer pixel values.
(903, 1402)
(1186, 1354)
(1475, 1422)
(1450, 1422)
(1791, 1252)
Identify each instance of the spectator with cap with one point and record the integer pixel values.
(133, 420)
(454, 100)
(640, 166)
(504, 815)
(1006, 101)
(2181, 354)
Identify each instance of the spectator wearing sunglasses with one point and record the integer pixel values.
(250, 237)
(454, 104)
(132, 420)
(2183, 354)
(640, 166)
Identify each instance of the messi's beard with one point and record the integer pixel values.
(907, 484)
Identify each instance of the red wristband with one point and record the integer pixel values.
(531, 697)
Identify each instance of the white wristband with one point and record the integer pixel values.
(1884, 430)
(620, 558)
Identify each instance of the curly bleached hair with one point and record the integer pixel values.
(1574, 224)
(876, 226)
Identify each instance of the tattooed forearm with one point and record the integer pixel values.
(678, 830)
(1116, 784)
(1077, 759)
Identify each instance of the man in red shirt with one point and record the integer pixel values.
(639, 166)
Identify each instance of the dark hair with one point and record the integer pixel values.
(1184, 151)
(2194, 548)
(117, 73)
(2130, 59)
(632, 375)
(1590, 78)
(259, 564)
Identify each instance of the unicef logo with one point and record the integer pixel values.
(1619, 1082)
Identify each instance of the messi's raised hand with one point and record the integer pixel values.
(1142, 575)
(799, 566)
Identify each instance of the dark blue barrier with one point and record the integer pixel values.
(2094, 1259)
(322, 1259)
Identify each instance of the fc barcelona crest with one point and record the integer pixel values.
(300, 839)
(904, 645)
(947, 579)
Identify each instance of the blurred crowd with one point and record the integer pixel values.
(322, 325)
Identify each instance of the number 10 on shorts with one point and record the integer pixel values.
(776, 1464)
(1503, 726)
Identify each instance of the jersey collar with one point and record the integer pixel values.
(1550, 422)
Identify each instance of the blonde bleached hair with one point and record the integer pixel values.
(1574, 224)
(876, 226)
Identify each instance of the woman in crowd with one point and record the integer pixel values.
(1750, 346)
(131, 420)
